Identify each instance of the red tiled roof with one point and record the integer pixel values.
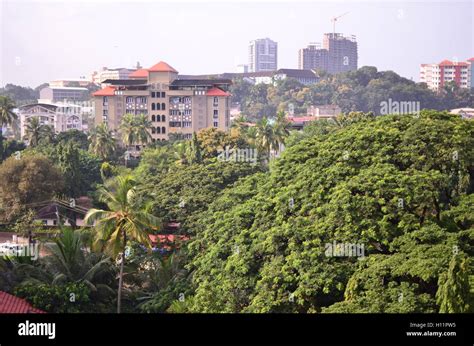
(107, 91)
(217, 92)
(472, 59)
(141, 73)
(13, 305)
(451, 63)
(162, 67)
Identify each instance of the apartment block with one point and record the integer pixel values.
(173, 105)
(437, 75)
(263, 55)
(52, 94)
(61, 116)
(337, 54)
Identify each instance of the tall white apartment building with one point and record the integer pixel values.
(263, 55)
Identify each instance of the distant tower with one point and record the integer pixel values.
(263, 55)
(138, 65)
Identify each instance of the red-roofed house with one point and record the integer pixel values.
(437, 75)
(107, 91)
(162, 67)
(217, 92)
(10, 304)
(140, 73)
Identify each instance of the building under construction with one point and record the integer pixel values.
(337, 54)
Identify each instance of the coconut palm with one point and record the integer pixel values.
(266, 139)
(135, 129)
(68, 260)
(33, 131)
(281, 129)
(127, 218)
(102, 141)
(7, 116)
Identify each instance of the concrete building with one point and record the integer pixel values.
(173, 105)
(70, 82)
(61, 117)
(263, 55)
(337, 54)
(63, 94)
(305, 77)
(437, 75)
(324, 111)
(105, 73)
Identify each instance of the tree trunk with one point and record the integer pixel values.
(122, 263)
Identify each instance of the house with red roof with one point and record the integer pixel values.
(10, 304)
(175, 106)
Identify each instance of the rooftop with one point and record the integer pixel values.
(10, 304)
(162, 67)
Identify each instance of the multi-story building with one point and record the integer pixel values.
(437, 75)
(263, 55)
(111, 73)
(173, 105)
(70, 82)
(338, 54)
(61, 116)
(52, 94)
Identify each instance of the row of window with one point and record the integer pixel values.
(178, 112)
(158, 130)
(158, 107)
(158, 94)
(157, 118)
(181, 124)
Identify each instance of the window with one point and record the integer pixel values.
(105, 101)
(163, 94)
(157, 106)
(216, 124)
(163, 106)
(153, 130)
(163, 130)
(163, 118)
(158, 130)
(153, 118)
(158, 94)
(216, 113)
(153, 94)
(152, 106)
(216, 101)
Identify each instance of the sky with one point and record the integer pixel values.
(43, 40)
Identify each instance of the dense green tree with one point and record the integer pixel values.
(395, 186)
(102, 141)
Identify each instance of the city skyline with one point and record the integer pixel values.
(74, 39)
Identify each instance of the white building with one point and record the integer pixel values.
(263, 55)
(112, 73)
(62, 117)
(437, 75)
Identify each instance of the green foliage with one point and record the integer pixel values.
(397, 185)
(24, 181)
(57, 299)
(361, 90)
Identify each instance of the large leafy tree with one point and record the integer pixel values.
(127, 218)
(25, 181)
(398, 187)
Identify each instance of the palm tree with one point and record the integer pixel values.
(281, 129)
(33, 131)
(102, 141)
(135, 129)
(127, 219)
(265, 136)
(7, 116)
(68, 260)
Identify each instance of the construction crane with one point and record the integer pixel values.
(334, 20)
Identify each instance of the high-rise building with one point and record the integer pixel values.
(338, 54)
(173, 105)
(263, 55)
(437, 75)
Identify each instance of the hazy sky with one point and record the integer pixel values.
(46, 40)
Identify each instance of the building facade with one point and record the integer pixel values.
(173, 105)
(61, 117)
(63, 94)
(337, 54)
(437, 75)
(263, 55)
